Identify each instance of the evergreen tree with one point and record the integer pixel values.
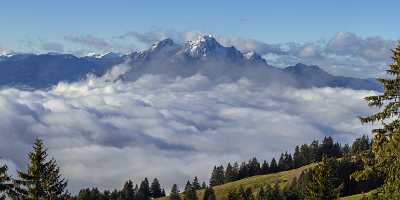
(322, 186)
(273, 167)
(196, 184)
(243, 171)
(43, 180)
(265, 167)
(386, 152)
(155, 189)
(217, 176)
(144, 190)
(229, 174)
(127, 191)
(209, 194)
(298, 159)
(7, 187)
(203, 185)
(190, 192)
(188, 186)
(174, 195)
(254, 167)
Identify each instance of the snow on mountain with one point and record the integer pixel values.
(204, 55)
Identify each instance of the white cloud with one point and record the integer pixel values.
(104, 131)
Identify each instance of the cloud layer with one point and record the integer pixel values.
(104, 131)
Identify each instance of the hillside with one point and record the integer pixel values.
(256, 182)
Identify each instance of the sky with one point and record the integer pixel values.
(268, 21)
(103, 132)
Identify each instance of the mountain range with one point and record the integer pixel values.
(204, 55)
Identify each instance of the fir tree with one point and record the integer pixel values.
(144, 190)
(217, 176)
(196, 185)
(273, 166)
(43, 180)
(265, 167)
(322, 186)
(203, 185)
(155, 189)
(127, 191)
(7, 186)
(174, 195)
(190, 192)
(229, 174)
(209, 194)
(298, 159)
(386, 152)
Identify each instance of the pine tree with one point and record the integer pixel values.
(43, 180)
(203, 185)
(127, 191)
(273, 166)
(298, 160)
(7, 187)
(217, 176)
(174, 195)
(196, 185)
(386, 151)
(209, 194)
(155, 189)
(190, 192)
(322, 186)
(265, 167)
(144, 190)
(229, 174)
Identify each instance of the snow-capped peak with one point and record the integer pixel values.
(103, 55)
(253, 57)
(162, 43)
(202, 45)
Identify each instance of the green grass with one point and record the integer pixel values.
(255, 182)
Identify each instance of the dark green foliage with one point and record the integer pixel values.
(144, 190)
(190, 192)
(155, 189)
(324, 184)
(230, 174)
(265, 167)
(7, 186)
(196, 184)
(43, 179)
(385, 158)
(273, 167)
(174, 195)
(217, 176)
(285, 162)
(128, 191)
(361, 145)
(209, 194)
(203, 185)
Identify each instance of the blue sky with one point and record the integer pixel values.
(268, 21)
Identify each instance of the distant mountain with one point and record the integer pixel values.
(203, 55)
(44, 70)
